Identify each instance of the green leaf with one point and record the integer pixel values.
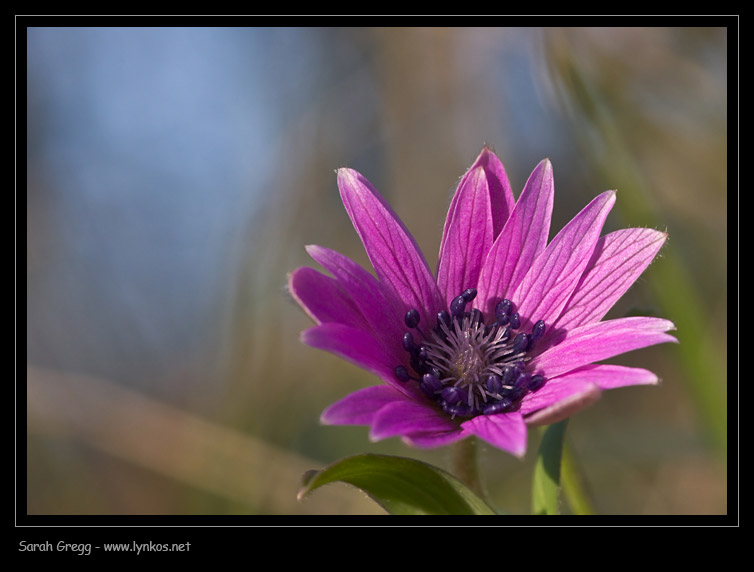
(399, 485)
(546, 485)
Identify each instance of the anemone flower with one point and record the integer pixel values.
(507, 333)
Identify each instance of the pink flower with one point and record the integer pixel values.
(508, 332)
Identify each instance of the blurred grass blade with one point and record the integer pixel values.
(546, 484)
(399, 485)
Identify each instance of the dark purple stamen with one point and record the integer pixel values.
(498, 406)
(431, 384)
(470, 367)
(402, 374)
(412, 318)
(520, 343)
(536, 382)
(443, 318)
(452, 394)
(459, 410)
(503, 307)
(514, 393)
(469, 294)
(408, 343)
(521, 381)
(476, 316)
(538, 330)
(510, 374)
(515, 321)
(494, 384)
(457, 306)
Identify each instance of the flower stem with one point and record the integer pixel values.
(466, 465)
(573, 485)
(546, 483)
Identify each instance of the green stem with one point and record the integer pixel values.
(466, 465)
(572, 484)
(546, 484)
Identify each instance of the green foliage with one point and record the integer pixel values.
(400, 485)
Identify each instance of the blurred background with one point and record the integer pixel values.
(175, 175)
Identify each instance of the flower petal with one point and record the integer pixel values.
(558, 389)
(409, 417)
(392, 250)
(599, 341)
(359, 408)
(522, 239)
(618, 260)
(323, 299)
(468, 237)
(436, 439)
(548, 285)
(480, 207)
(378, 305)
(565, 395)
(356, 346)
(573, 398)
(613, 376)
(505, 431)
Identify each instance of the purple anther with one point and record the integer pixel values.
(408, 343)
(452, 394)
(402, 374)
(522, 381)
(536, 382)
(431, 384)
(504, 307)
(515, 321)
(457, 306)
(537, 332)
(502, 318)
(459, 409)
(443, 318)
(515, 393)
(412, 318)
(510, 374)
(494, 384)
(498, 407)
(469, 294)
(520, 343)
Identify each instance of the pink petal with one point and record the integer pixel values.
(392, 250)
(356, 346)
(359, 408)
(602, 340)
(522, 239)
(618, 260)
(548, 285)
(468, 236)
(323, 299)
(437, 439)
(564, 396)
(614, 376)
(501, 196)
(376, 303)
(506, 431)
(580, 396)
(479, 209)
(409, 417)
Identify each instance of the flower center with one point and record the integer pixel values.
(469, 367)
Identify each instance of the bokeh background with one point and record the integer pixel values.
(175, 175)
